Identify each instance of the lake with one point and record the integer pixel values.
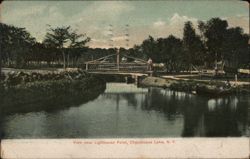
(124, 110)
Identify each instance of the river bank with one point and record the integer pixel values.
(23, 92)
(189, 85)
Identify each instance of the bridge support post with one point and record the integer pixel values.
(87, 67)
(118, 60)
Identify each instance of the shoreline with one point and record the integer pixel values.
(31, 94)
(189, 85)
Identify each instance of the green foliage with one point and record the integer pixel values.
(15, 44)
(19, 49)
(193, 46)
(63, 46)
(149, 48)
(216, 42)
(235, 48)
(227, 44)
(171, 51)
(65, 37)
(57, 37)
(16, 78)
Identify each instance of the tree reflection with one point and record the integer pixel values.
(202, 116)
(168, 102)
(131, 98)
(17, 104)
(227, 117)
(193, 117)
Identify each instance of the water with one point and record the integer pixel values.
(124, 110)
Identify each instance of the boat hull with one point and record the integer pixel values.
(213, 91)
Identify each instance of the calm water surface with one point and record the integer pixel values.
(124, 110)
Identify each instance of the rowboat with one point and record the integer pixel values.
(213, 90)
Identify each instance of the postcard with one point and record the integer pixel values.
(124, 79)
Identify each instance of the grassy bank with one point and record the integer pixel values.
(49, 94)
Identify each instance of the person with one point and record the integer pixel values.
(124, 59)
(228, 85)
(150, 64)
(216, 71)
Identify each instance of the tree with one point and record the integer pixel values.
(23, 43)
(214, 32)
(64, 37)
(58, 38)
(235, 48)
(1, 53)
(192, 45)
(15, 43)
(224, 44)
(149, 48)
(0, 62)
(77, 41)
(171, 52)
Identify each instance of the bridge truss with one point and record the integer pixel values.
(117, 62)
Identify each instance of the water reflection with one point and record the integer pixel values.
(15, 103)
(227, 116)
(166, 102)
(127, 111)
(202, 116)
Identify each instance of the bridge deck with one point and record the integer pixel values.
(120, 73)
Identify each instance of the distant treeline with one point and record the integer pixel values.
(215, 41)
(64, 47)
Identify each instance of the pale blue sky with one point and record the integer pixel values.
(156, 18)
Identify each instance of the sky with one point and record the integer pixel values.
(144, 18)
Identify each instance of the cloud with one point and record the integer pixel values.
(239, 21)
(159, 23)
(177, 19)
(157, 29)
(98, 40)
(119, 38)
(174, 26)
(98, 16)
(32, 16)
(101, 11)
(20, 13)
(94, 17)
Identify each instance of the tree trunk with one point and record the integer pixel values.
(68, 60)
(1, 60)
(76, 62)
(64, 60)
(8, 60)
(0, 63)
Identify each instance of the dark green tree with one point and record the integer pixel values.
(193, 46)
(15, 43)
(62, 38)
(225, 44)
(235, 48)
(214, 32)
(171, 53)
(149, 48)
(58, 37)
(77, 43)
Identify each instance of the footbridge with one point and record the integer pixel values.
(122, 65)
(117, 63)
